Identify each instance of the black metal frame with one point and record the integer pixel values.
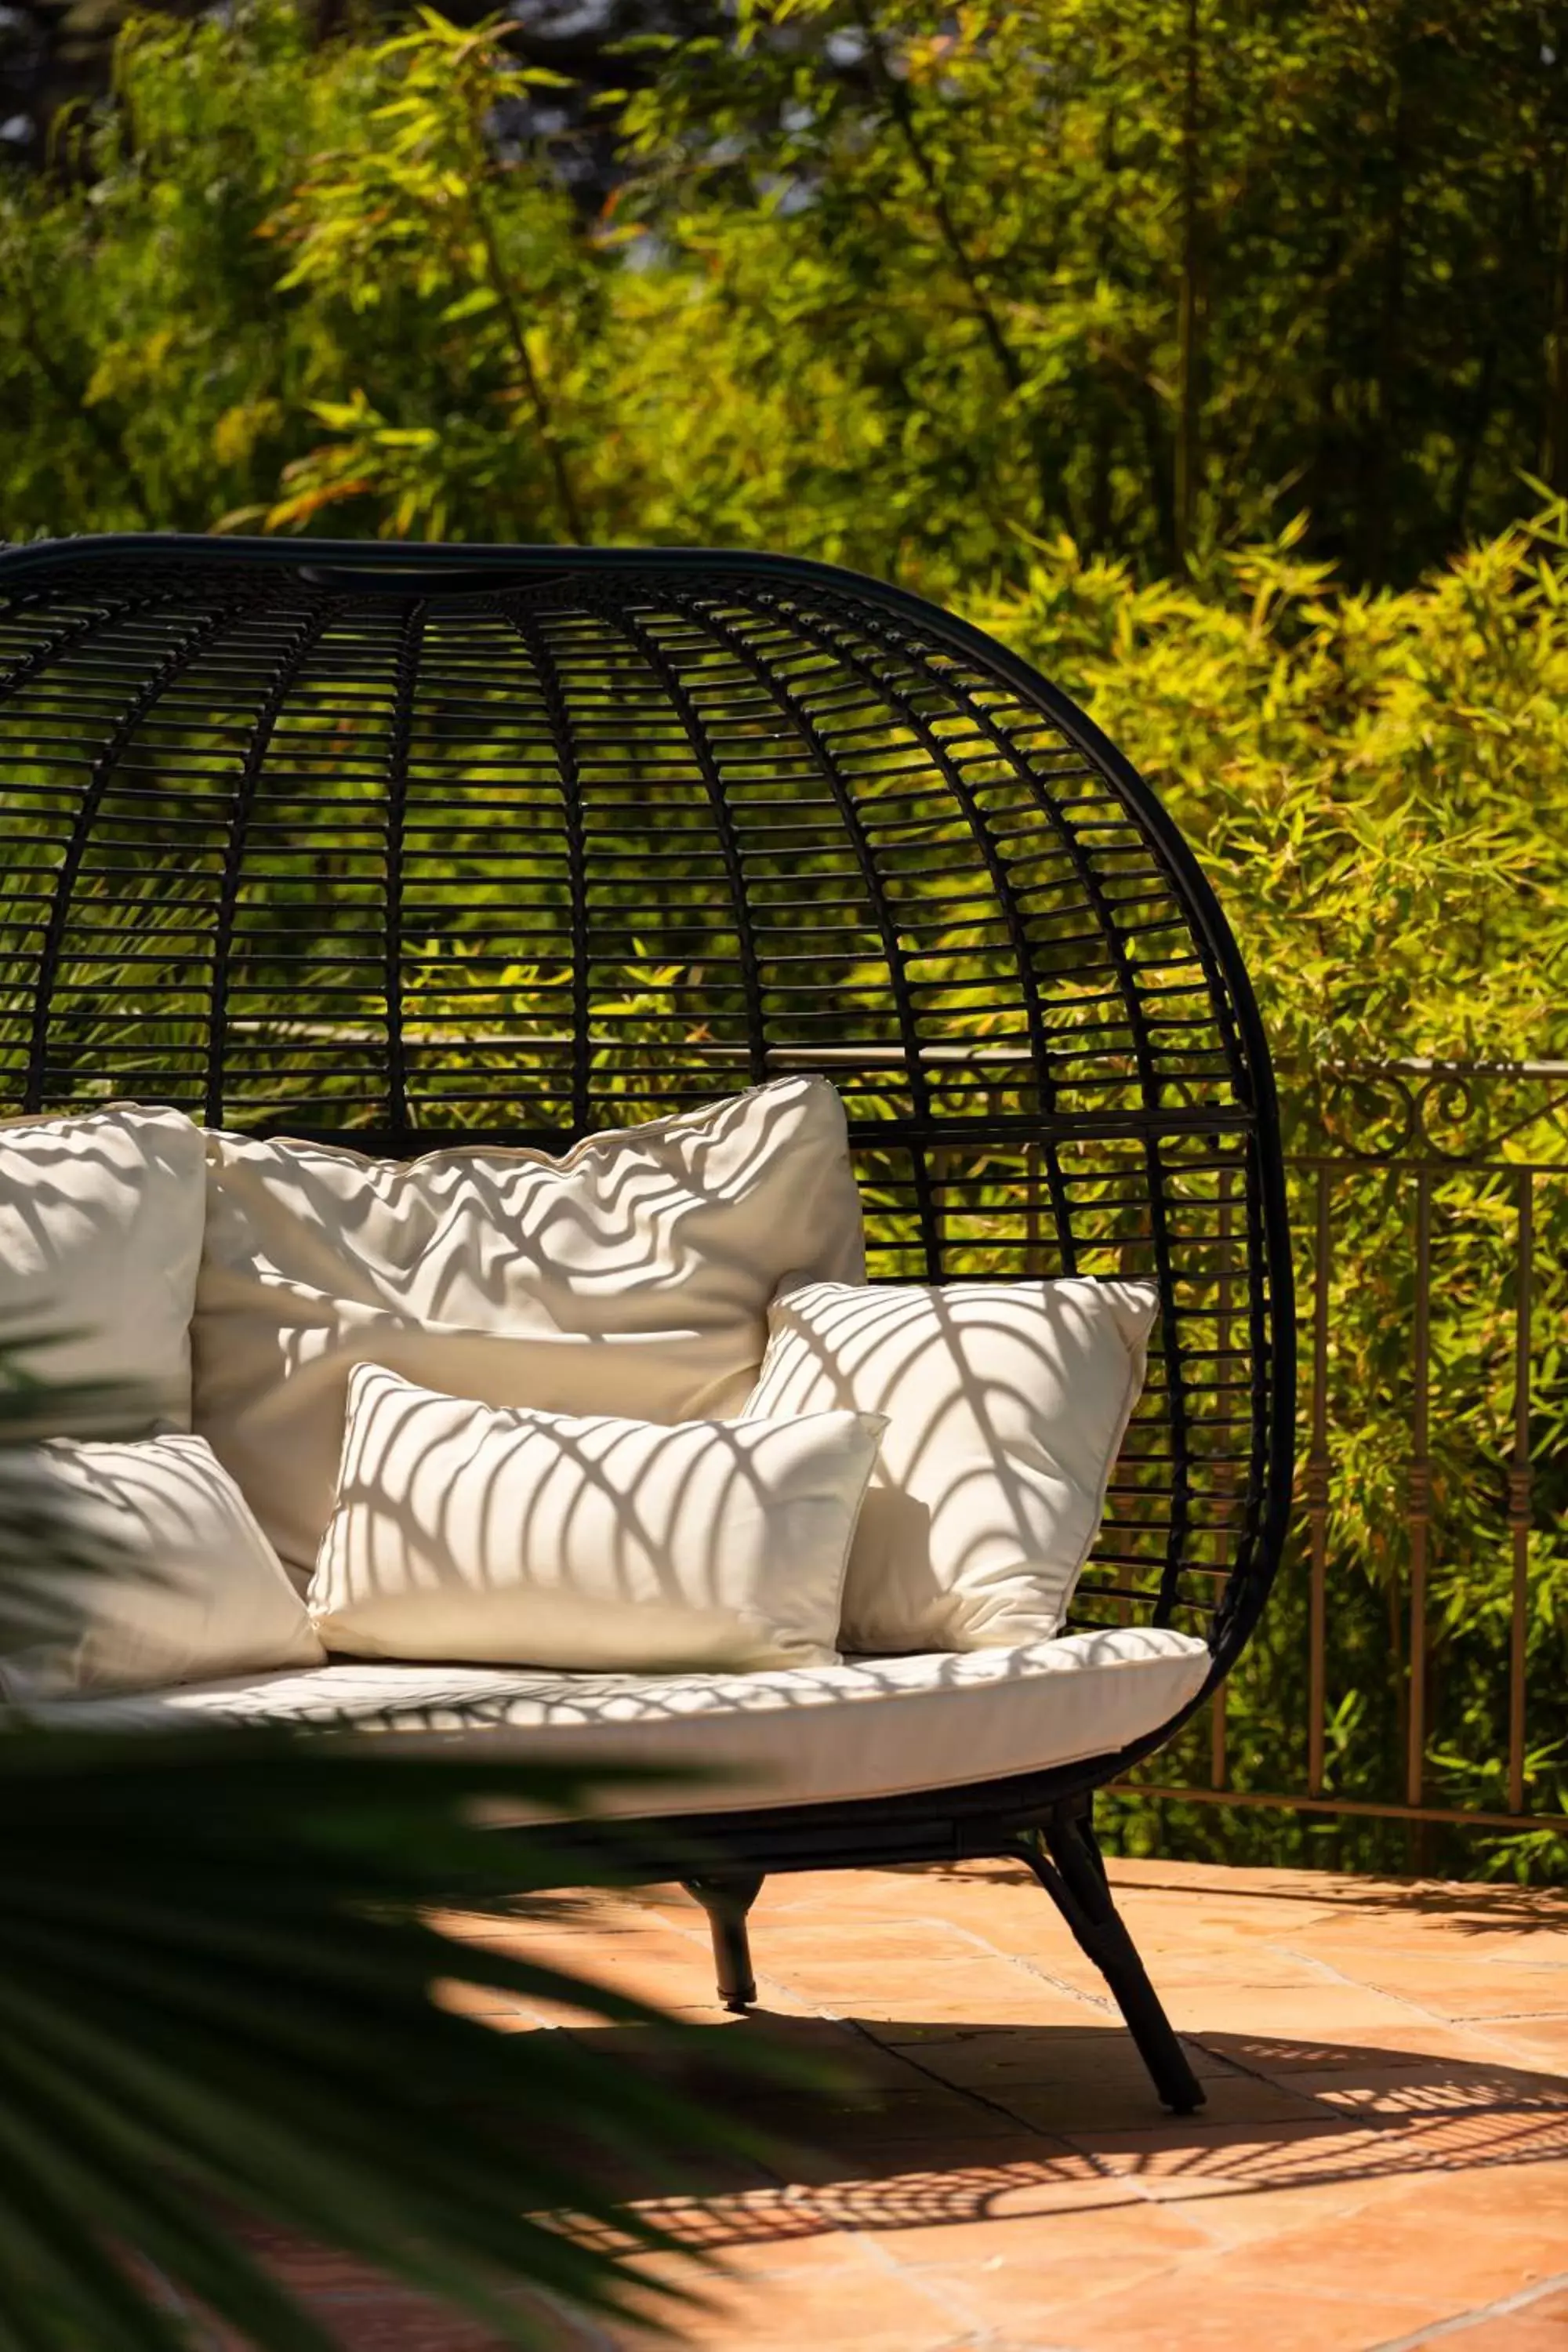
(1064, 1854)
(221, 764)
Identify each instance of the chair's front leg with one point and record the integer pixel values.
(1066, 1860)
(727, 1901)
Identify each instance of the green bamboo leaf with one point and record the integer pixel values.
(75, 2150)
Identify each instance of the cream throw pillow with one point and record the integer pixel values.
(1005, 1403)
(631, 1277)
(509, 1537)
(168, 1578)
(100, 1237)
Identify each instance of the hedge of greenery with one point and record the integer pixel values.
(886, 282)
(1376, 782)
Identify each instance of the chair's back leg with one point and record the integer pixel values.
(1065, 1858)
(727, 1901)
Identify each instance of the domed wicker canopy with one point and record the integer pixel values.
(415, 844)
(406, 845)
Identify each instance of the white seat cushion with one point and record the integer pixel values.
(100, 1237)
(494, 1532)
(631, 1277)
(1005, 1405)
(808, 1735)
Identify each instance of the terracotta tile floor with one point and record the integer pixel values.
(1382, 2160)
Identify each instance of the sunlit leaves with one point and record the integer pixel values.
(896, 286)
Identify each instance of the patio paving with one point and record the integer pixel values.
(1382, 2160)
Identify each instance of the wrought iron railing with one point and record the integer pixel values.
(1430, 1209)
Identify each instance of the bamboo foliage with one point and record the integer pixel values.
(1375, 782)
(896, 285)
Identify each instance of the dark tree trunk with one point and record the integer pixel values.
(1189, 326)
(1554, 426)
(1382, 443)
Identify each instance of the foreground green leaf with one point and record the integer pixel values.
(221, 1985)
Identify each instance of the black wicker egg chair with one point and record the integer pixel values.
(410, 846)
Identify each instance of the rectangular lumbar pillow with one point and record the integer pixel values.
(162, 1575)
(507, 1536)
(1005, 1405)
(100, 1238)
(631, 1277)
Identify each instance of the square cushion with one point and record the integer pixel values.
(100, 1238)
(481, 1532)
(630, 1277)
(1006, 1405)
(161, 1574)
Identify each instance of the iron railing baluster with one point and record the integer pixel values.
(1519, 1494)
(1317, 1496)
(1418, 1506)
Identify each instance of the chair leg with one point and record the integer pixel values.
(1065, 1857)
(727, 1901)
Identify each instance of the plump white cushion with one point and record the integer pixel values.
(101, 1237)
(489, 1532)
(171, 1577)
(813, 1735)
(631, 1277)
(1006, 1405)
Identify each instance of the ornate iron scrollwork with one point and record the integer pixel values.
(1438, 1111)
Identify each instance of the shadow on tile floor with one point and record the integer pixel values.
(904, 2156)
(971, 2136)
(902, 2136)
(1382, 2160)
(1477, 1909)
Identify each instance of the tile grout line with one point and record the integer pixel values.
(975, 2332)
(1405, 2000)
(1478, 2028)
(856, 2031)
(1463, 2321)
(869, 2241)
(1098, 2006)
(1105, 2173)
(866, 2240)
